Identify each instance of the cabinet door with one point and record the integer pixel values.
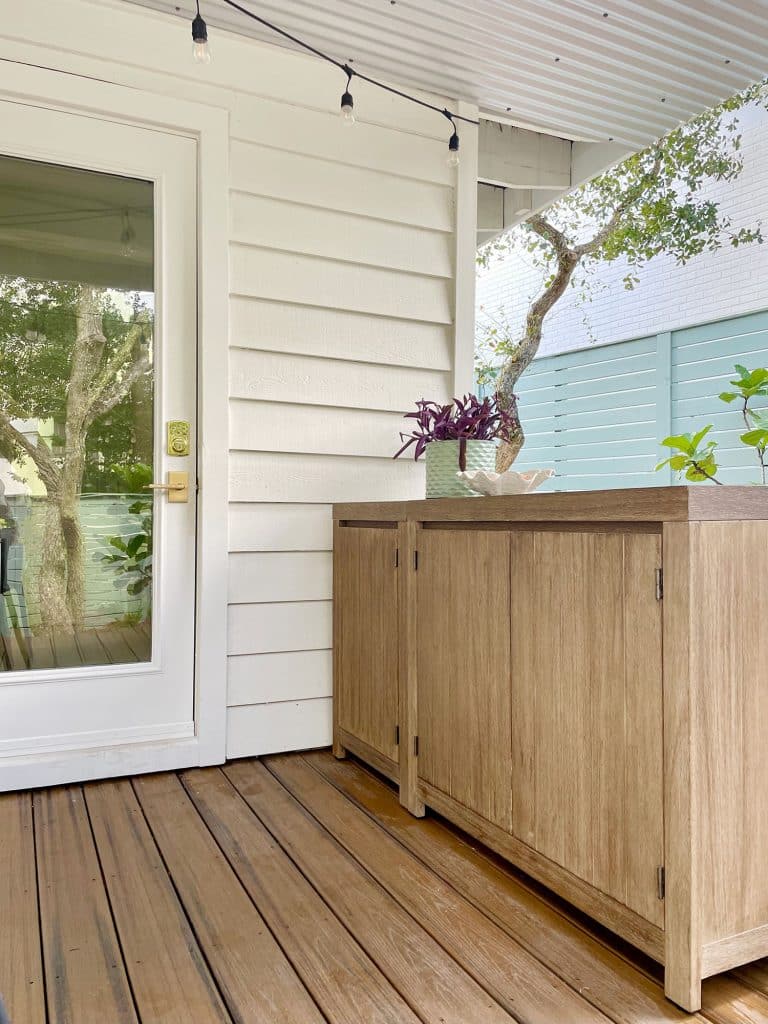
(365, 631)
(587, 783)
(463, 589)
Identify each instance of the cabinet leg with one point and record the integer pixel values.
(411, 802)
(338, 750)
(683, 986)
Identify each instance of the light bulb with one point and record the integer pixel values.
(200, 49)
(453, 150)
(347, 110)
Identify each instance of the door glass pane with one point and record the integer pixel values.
(76, 416)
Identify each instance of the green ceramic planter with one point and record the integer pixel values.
(443, 465)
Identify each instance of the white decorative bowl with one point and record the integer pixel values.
(493, 484)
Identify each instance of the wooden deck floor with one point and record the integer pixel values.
(108, 645)
(295, 890)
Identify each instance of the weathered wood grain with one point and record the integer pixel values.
(355, 989)
(169, 977)
(256, 979)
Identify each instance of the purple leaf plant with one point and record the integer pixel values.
(463, 419)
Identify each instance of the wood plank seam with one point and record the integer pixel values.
(612, 943)
(469, 978)
(225, 997)
(290, 955)
(39, 911)
(478, 976)
(108, 896)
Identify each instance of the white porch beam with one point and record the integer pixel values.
(521, 171)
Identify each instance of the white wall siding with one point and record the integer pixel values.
(342, 309)
(273, 628)
(257, 476)
(285, 725)
(275, 678)
(275, 527)
(339, 334)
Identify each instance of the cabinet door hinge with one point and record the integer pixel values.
(397, 735)
(397, 558)
(661, 881)
(416, 561)
(415, 746)
(659, 584)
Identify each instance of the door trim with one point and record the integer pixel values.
(209, 126)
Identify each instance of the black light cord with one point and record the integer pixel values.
(350, 72)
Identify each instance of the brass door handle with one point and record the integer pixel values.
(177, 487)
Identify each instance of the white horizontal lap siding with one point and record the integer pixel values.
(341, 315)
(284, 427)
(279, 377)
(342, 301)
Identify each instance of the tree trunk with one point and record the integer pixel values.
(522, 357)
(63, 533)
(52, 579)
(95, 386)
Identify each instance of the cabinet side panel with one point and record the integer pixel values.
(463, 668)
(729, 659)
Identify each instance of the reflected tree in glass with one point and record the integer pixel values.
(79, 356)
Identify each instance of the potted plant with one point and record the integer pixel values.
(456, 437)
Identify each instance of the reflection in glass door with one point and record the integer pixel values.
(76, 416)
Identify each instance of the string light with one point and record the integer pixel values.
(201, 51)
(347, 102)
(453, 144)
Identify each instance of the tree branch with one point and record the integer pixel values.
(119, 389)
(39, 454)
(631, 196)
(123, 354)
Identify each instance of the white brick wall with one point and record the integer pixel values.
(711, 287)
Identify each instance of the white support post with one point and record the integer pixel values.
(465, 266)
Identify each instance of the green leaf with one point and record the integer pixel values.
(681, 441)
(755, 438)
(134, 544)
(727, 396)
(699, 437)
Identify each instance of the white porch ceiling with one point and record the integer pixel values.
(620, 70)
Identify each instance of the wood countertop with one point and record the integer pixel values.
(632, 505)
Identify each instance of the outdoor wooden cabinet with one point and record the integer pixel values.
(580, 681)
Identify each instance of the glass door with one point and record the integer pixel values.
(77, 325)
(97, 435)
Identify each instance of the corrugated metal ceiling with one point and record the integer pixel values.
(626, 70)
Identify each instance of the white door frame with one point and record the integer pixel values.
(209, 126)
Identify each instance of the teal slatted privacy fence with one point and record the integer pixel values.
(597, 415)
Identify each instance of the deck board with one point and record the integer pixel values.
(256, 979)
(296, 890)
(21, 969)
(453, 933)
(86, 981)
(170, 979)
(356, 990)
